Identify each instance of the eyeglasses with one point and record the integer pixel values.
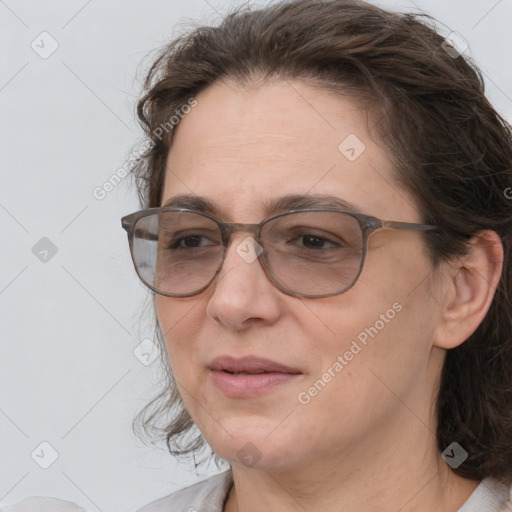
(311, 253)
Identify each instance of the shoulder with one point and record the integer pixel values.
(42, 504)
(207, 496)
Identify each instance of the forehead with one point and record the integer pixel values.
(241, 146)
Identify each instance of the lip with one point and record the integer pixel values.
(250, 364)
(252, 376)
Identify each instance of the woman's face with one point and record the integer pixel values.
(364, 364)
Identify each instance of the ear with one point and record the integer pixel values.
(471, 281)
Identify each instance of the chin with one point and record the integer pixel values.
(252, 444)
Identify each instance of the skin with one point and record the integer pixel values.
(366, 441)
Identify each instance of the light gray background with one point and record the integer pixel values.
(69, 325)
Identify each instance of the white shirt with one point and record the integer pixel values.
(38, 504)
(210, 495)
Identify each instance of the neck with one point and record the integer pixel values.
(408, 475)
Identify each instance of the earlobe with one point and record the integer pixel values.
(473, 279)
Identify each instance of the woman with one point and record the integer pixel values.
(336, 361)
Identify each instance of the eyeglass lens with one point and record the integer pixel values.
(310, 253)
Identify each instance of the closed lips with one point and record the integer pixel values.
(250, 365)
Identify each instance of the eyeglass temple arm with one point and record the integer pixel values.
(406, 226)
(227, 228)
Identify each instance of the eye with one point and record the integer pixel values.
(310, 238)
(316, 242)
(190, 241)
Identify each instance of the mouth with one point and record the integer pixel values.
(250, 376)
(246, 373)
(250, 365)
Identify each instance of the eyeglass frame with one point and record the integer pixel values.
(367, 223)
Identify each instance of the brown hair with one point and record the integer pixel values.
(450, 149)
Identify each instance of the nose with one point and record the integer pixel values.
(242, 293)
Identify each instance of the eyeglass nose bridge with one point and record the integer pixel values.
(228, 228)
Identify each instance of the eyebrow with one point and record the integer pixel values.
(270, 206)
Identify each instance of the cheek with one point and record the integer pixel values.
(180, 326)
(376, 355)
(385, 324)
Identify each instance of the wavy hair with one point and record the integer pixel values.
(450, 149)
